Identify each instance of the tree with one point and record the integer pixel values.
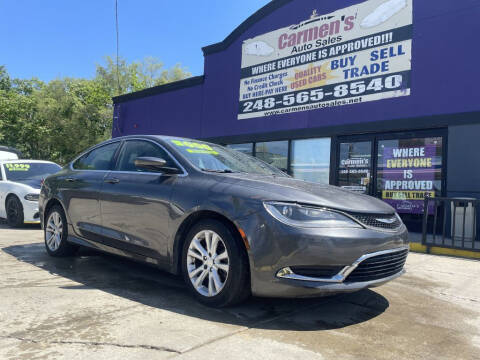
(57, 120)
(137, 75)
(5, 83)
(19, 125)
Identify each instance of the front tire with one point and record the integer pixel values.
(14, 212)
(215, 266)
(56, 234)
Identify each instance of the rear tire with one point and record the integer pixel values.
(14, 209)
(56, 234)
(214, 265)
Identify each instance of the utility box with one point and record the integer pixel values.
(461, 208)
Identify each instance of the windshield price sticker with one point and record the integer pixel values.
(17, 167)
(200, 151)
(195, 148)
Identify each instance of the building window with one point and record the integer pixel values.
(407, 169)
(244, 148)
(311, 160)
(274, 153)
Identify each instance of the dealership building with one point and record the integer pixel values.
(380, 97)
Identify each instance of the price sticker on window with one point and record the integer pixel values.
(17, 167)
(195, 147)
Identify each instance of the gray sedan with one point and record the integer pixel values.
(230, 224)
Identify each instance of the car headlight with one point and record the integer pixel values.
(31, 197)
(306, 216)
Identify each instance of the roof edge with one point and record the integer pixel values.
(172, 86)
(244, 26)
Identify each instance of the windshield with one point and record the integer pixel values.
(216, 158)
(29, 171)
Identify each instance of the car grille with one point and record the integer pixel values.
(379, 267)
(317, 271)
(380, 221)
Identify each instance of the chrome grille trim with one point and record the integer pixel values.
(287, 272)
(378, 267)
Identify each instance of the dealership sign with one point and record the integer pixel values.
(358, 54)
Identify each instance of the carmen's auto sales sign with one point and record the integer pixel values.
(357, 54)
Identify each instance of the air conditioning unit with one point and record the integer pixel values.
(461, 208)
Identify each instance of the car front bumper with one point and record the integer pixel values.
(275, 246)
(298, 289)
(31, 213)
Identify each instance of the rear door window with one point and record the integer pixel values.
(101, 158)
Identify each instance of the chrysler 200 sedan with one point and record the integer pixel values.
(230, 224)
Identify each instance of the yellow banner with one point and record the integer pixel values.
(199, 151)
(406, 195)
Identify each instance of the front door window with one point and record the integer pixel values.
(134, 149)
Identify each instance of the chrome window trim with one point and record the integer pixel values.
(287, 272)
(122, 141)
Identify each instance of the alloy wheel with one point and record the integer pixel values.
(54, 231)
(208, 263)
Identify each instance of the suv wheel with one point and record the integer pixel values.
(215, 267)
(14, 211)
(56, 233)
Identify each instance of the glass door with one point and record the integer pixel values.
(355, 165)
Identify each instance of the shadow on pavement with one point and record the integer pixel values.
(3, 225)
(158, 289)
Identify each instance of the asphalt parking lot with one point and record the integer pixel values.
(101, 307)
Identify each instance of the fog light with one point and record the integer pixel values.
(284, 272)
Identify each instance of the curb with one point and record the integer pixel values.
(435, 250)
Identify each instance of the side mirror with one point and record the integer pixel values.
(155, 164)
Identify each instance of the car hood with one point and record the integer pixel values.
(280, 188)
(33, 183)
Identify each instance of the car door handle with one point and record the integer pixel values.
(112, 181)
(70, 179)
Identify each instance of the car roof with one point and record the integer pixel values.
(163, 139)
(158, 137)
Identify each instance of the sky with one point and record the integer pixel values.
(49, 39)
